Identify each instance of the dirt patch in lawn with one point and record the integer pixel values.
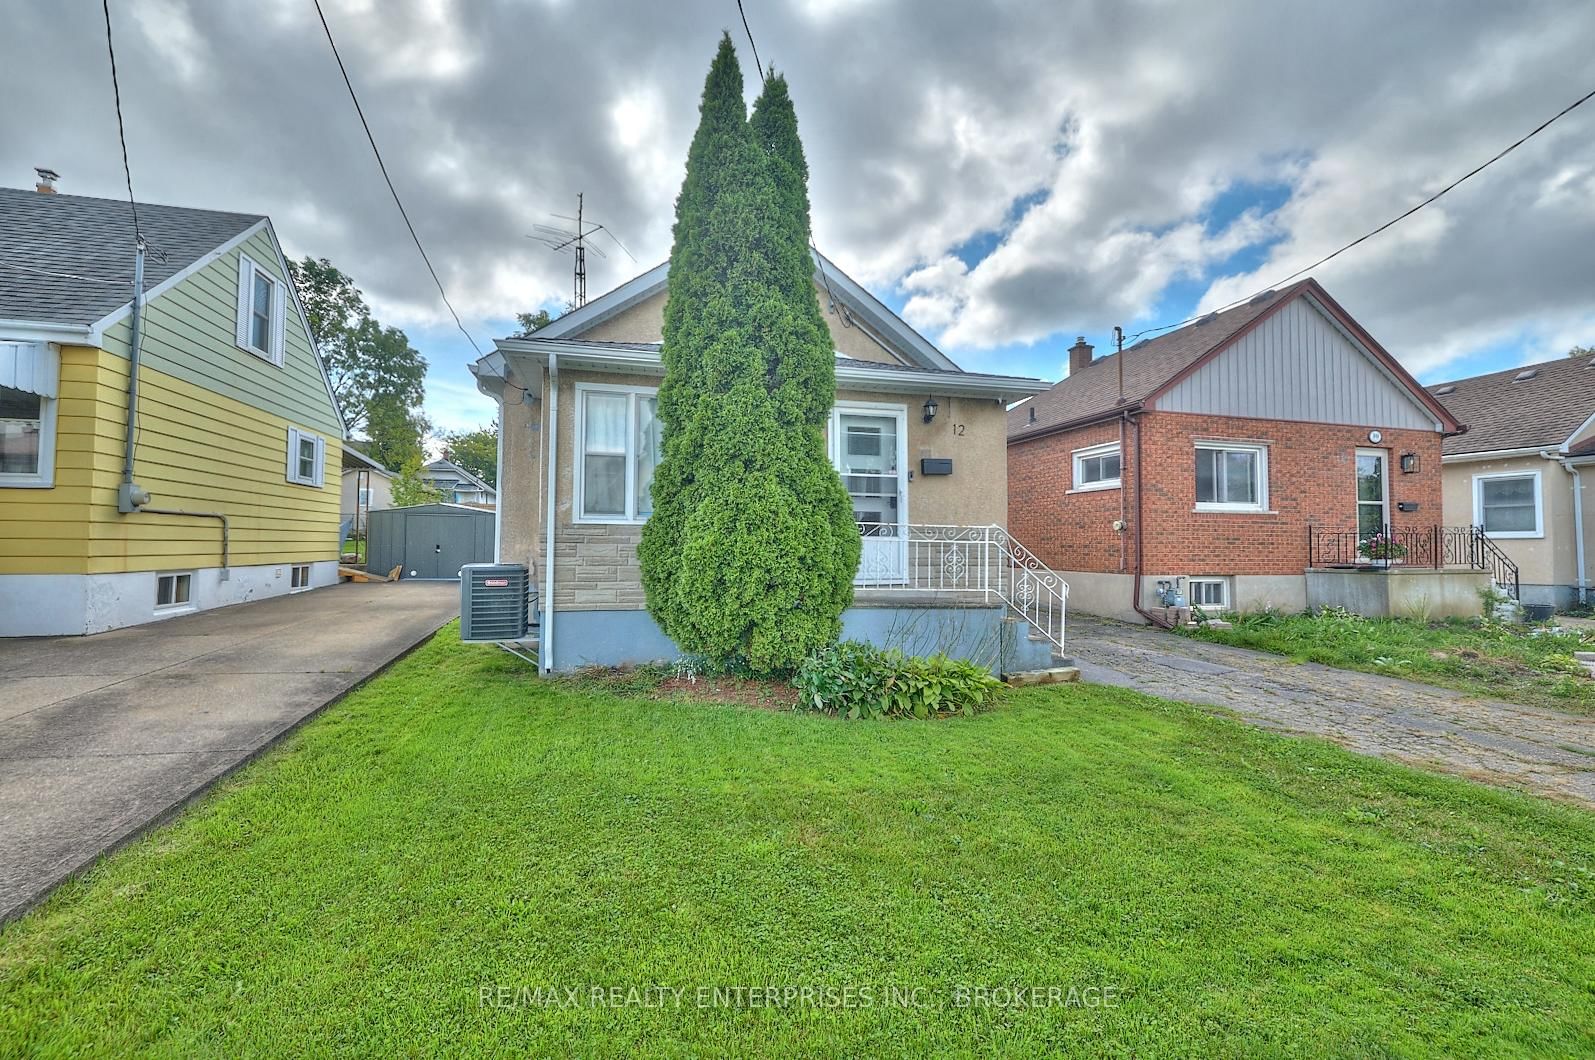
(770, 695)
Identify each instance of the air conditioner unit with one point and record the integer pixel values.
(493, 602)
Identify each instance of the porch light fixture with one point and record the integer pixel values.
(930, 408)
(1409, 463)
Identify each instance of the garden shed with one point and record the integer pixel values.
(429, 540)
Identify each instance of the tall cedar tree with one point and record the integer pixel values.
(750, 552)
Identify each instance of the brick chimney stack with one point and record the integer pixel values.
(47, 179)
(1079, 354)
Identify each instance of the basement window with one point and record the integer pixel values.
(1209, 594)
(299, 577)
(173, 592)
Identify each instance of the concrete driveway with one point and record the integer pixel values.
(101, 736)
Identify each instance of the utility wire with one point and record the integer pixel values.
(749, 32)
(384, 168)
(121, 132)
(1394, 220)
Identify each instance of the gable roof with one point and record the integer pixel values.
(855, 299)
(68, 259)
(1155, 365)
(1543, 411)
(445, 466)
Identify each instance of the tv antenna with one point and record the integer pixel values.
(578, 239)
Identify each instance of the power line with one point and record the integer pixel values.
(121, 132)
(1394, 220)
(384, 168)
(749, 32)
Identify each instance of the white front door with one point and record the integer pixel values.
(869, 445)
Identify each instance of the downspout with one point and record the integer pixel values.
(498, 477)
(1124, 513)
(132, 498)
(1135, 597)
(1578, 527)
(546, 591)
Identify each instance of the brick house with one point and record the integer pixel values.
(1206, 458)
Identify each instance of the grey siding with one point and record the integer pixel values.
(1297, 365)
(189, 333)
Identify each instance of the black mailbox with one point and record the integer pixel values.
(1407, 506)
(935, 465)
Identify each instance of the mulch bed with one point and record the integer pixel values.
(769, 695)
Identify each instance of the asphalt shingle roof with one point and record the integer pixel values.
(1095, 388)
(68, 259)
(1499, 413)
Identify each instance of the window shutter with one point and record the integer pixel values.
(293, 454)
(321, 460)
(279, 297)
(246, 269)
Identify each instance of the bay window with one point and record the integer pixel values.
(617, 440)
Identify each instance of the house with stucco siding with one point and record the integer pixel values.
(1518, 471)
(918, 441)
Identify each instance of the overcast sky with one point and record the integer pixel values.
(1009, 175)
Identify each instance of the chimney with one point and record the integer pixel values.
(47, 179)
(1079, 354)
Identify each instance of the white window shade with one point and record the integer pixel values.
(32, 367)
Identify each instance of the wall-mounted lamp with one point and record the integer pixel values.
(1409, 463)
(930, 408)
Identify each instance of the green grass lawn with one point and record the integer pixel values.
(459, 826)
(357, 547)
(1498, 660)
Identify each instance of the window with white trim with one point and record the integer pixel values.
(299, 577)
(1209, 594)
(1231, 477)
(1097, 468)
(307, 457)
(262, 308)
(618, 441)
(174, 592)
(29, 376)
(1508, 504)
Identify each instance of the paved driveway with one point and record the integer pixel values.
(1542, 751)
(101, 736)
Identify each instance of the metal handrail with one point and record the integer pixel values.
(977, 559)
(1435, 547)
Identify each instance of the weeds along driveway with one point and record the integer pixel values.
(1543, 751)
(101, 736)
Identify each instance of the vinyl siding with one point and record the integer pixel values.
(189, 333)
(1297, 365)
(196, 449)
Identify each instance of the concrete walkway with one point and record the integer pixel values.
(101, 736)
(1541, 751)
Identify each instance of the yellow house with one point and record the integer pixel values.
(226, 487)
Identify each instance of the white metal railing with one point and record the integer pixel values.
(971, 559)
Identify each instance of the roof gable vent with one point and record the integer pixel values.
(1525, 374)
(1447, 389)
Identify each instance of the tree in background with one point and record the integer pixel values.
(530, 322)
(744, 558)
(378, 378)
(1582, 351)
(476, 451)
(410, 488)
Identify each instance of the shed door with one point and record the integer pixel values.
(437, 546)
